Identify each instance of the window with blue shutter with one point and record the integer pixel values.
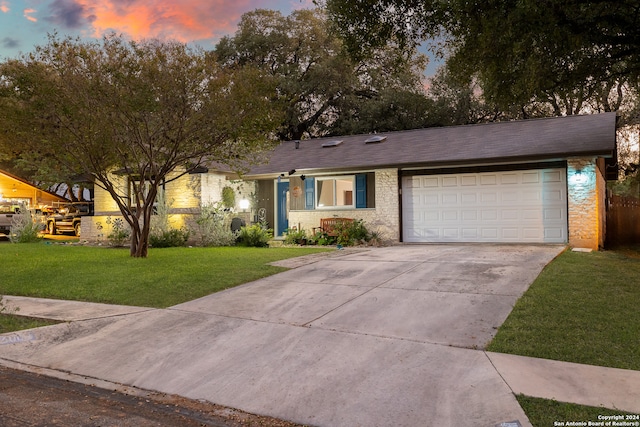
(361, 190)
(309, 196)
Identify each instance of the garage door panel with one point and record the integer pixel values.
(469, 180)
(509, 178)
(509, 196)
(450, 199)
(530, 177)
(554, 214)
(430, 200)
(488, 179)
(449, 215)
(509, 215)
(489, 215)
(521, 206)
(552, 195)
(552, 176)
(554, 233)
(510, 234)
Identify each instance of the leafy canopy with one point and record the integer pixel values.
(324, 90)
(149, 111)
(518, 49)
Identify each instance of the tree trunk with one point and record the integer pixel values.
(140, 233)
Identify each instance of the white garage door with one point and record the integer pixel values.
(527, 206)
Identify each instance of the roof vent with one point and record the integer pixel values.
(375, 139)
(332, 143)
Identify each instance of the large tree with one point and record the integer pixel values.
(324, 90)
(517, 49)
(140, 112)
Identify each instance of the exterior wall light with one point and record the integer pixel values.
(244, 204)
(579, 177)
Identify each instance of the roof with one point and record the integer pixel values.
(525, 140)
(14, 186)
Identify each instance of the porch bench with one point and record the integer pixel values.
(328, 225)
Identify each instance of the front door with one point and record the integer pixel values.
(282, 207)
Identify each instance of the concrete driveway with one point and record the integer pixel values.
(380, 337)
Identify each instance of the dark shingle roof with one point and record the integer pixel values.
(536, 139)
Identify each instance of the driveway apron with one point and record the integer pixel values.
(385, 336)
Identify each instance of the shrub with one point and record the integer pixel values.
(120, 232)
(352, 233)
(295, 237)
(255, 235)
(24, 229)
(214, 224)
(348, 233)
(228, 197)
(169, 239)
(321, 238)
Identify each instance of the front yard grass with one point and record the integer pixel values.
(13, 322)
(167, 277)
(583, 308)
(548, 413)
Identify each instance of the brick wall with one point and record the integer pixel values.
(383, 219)
(586, 194)
(183, 195)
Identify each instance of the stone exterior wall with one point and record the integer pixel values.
(586, 198)
(183, 195)
(383, 219)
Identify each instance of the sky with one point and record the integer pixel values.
(25, 24)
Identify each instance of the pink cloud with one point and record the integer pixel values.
(186, 21)
(4, 7)
(27, 14)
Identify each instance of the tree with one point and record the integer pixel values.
(324, 90)
(516, 49)
(459, 102)
(133, 115)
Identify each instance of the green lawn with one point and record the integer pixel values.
(582, 308)
(167, 277)
(549, 413)
(13, 322)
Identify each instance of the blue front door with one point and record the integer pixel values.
(283, 207)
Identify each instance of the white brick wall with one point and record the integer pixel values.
(383, 219)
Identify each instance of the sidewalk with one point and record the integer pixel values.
(588, 385)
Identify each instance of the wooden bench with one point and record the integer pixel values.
(328, 225)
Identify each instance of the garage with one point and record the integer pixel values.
(512, 206)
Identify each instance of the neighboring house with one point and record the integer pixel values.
(18, 191)
(184, 196)
(530, 181)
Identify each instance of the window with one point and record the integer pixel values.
(335, 192)
(140, 188)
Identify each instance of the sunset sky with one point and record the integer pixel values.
(26, 23)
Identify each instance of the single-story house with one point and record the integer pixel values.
(528, 181)
(18, 191)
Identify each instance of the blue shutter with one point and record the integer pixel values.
(309, 193)
(361, 190)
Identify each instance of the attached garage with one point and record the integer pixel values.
(522, 181)
(524, 206)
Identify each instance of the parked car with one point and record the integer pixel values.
(7, 210)
(68, 218)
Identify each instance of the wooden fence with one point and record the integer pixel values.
(623, 220)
